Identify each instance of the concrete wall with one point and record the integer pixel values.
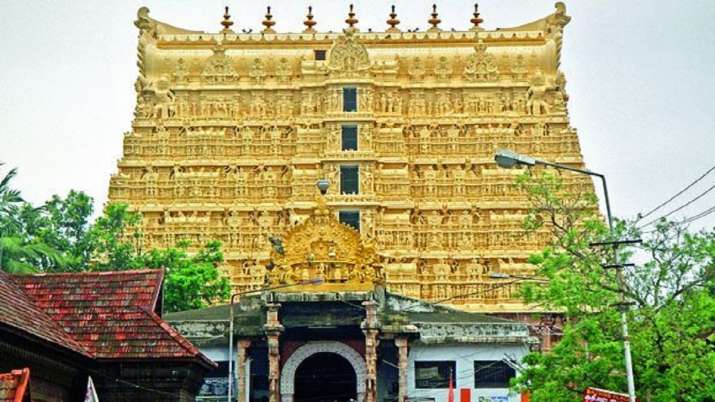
(464, 355)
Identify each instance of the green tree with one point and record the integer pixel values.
(19, 253)
(61, 224)
(192, 280)
(115, 240)
(671, 319)
(59, 236)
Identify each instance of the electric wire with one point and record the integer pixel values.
(688, 219)
(676, 195)
(699, 196)
(700, 215)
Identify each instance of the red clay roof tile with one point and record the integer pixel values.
(111, 314)
(17, 310)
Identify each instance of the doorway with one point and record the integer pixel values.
(325, 377)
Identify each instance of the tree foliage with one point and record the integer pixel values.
(670, 291)
(59, 236)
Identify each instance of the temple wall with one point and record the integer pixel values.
(464, 355)
(231, 132)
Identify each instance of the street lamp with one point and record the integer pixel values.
(323, 185)
(507, 159)
(314, 281)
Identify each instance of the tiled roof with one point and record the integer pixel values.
(19, 312)
(13, 386)
(110, 314)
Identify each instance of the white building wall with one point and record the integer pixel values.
(464, 355)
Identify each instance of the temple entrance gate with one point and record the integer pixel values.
(323, 371)
(325, 377)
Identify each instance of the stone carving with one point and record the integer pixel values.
(443, 69)
(416, 69)
(228, 147)
(481, 66)
(348, 56)
(322, 247)
(283, 70)
(219, 69)
(258, 71)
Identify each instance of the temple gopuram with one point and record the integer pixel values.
(233, 129)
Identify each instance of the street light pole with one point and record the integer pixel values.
(507, 159)
(315, 281)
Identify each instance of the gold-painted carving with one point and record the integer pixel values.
(232, 131)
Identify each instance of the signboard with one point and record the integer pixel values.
(601, 395)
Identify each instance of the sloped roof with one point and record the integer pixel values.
(18, 311)
(110, 314)
(13, 386)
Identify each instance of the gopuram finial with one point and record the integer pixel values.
(434, 21)
(309, 23)
(351, 20)
(226, 22)
(268, 22)
(393, 21)
(476, 20)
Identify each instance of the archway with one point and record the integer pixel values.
(288, 373)
(325, 377)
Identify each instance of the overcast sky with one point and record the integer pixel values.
(641, 76)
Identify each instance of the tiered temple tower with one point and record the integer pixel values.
(232, 131)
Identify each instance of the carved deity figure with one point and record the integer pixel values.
(416, 70)
(257, 71)
(219, 68)
(365, 137)
(348, 57)
(181, 72)
(537, 103)
(442, 70)
(283, 70)
(481, 66)
(366, 180)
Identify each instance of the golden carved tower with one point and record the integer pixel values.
(232, 131)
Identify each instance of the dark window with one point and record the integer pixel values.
(492, 374)
(435, 374)
(349, 178)
(319, 54)
(349, 134)
(351, 218)
(349, 99)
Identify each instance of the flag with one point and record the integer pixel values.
(91, 394)
(450, 393)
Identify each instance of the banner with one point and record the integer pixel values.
(601, 395)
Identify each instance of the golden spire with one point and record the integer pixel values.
(434, 21)
(351, 20)
(393, 22)
(226, 22)
(268, 22)
(309, 23)
(476, 20)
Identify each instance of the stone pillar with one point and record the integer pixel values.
(546, 339)
(371, 328)
(273, 330)
(402, 363)
(242, 381)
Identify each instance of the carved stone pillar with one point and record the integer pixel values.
(273, 330)
(402, 363)
(242, 380)
(371, 328)
(546, 339)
